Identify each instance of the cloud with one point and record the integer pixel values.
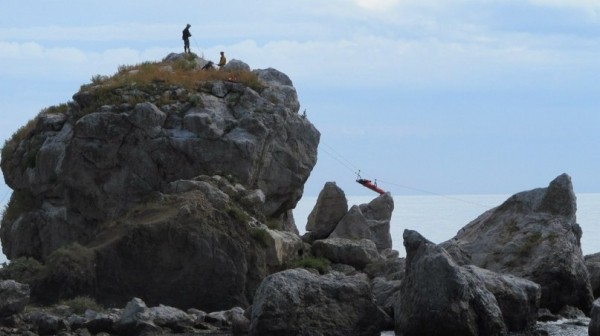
(377, 5)
(582, 4)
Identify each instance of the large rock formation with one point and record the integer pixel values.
(439, 297)
(533, 235)
(297, 302)
(113, 174)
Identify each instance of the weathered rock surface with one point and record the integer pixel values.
(356, 253)
(592, 263)
(438, 297)
(594, 327)
(297, 302)
(533, 235)
(161, 196)
(136, 319)
(330, 208)
(368, 221)
(517, 298)
(14, 297)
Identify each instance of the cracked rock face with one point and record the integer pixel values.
(71, 172)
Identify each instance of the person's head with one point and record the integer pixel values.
(222, 52)
(188, 25)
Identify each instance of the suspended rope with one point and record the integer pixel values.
(373, 185)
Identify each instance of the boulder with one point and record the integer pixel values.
(594, 327)
(356, 253)
(330, 208)
(592, 263)
(14, 297)
(368, 221)
(439, 297)
(282, 247)
(517, 298)
(298, 302)
(534, 235)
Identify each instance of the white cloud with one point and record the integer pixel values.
(377, 5)
(584, 4)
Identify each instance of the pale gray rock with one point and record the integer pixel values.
(356, 253)
(438, 297)
(283, 247)
(14, 297)
(352, 226)
(534, 235)
(298, 302)
(330, 208)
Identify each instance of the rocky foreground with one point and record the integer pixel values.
(165, 192)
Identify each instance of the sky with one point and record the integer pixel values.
(443, 97)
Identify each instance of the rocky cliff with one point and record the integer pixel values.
(160, 169)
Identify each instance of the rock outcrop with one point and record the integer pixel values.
(176, 173)
(297, 302)
(330, 218)
(533, 235)
(439, 297)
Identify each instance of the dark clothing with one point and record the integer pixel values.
(186, 33)
(186, 39)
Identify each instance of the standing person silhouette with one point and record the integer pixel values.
(186, 39)
(222, 61)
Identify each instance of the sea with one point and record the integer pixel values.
(439, 217)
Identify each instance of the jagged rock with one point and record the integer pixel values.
(368, 221)
(78, 169)
(298, 302)
(134, 181)
(14, 297)
(534, 235)
(517, 298)
(378, 213)
(282, 247)
(592, 263)
(594, 327)
(356, 253)
(330, 208)
(438, 297)
(352, 226)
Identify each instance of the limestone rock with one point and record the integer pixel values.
(330, 208)
(14, 297)
(368, 221)
(517, 298)
(72, 170)
(438, 297)
(297, 302)
(534, 235)
(356, 253)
